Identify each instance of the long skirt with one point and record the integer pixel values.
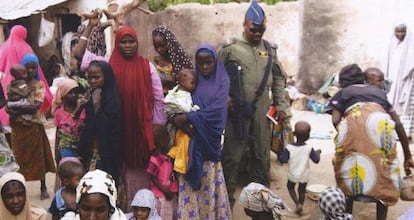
(31, 148)
(208, 203)
(366, 159)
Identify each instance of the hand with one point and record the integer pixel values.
(180, 121)
(280, 116)
(408, 164)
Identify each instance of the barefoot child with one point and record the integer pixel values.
(296, 155)
(164, 185)
(70, 173)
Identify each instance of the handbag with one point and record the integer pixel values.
(407, 188)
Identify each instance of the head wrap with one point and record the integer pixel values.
(259, 198)
(178, 57)
(31, 58)
(64, 87)
(332, 204)
(210, 95)
(30, 211)
(350, 75)
(145, 198)
(255, 13)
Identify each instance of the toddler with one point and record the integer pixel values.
(70, 172)
(18, 92)
(163, 182)
(296, 155)
(143, 205)
(178, 100)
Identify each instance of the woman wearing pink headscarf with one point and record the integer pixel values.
(11, 52)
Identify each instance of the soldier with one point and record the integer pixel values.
(250, 60)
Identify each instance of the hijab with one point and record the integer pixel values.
(177, 54)
(210, 95)
(145, 198)
(133, 78)
(64, 87)
(32, 58)
(332, 203)
(30, 211)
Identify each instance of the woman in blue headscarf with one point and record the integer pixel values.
(202, 191)
(29, 140)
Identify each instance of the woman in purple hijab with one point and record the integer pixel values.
(202, 190)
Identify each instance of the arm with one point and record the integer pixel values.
(81, 46)
(278, 91)
(408, 162)
(336, 117)
(159, 116)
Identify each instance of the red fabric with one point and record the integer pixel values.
(133, 78)
(11, 52)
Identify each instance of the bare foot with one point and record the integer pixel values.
(299, 209)
(44, 194)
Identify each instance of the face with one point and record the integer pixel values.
(376, 79)
(205, 64)
(95, 77)
(14, 197)
(189, 82)
(72, 95)
(141, 213)
(20, 73)
(160, 45)
(253, 33)
(73, 182)
(400, 33)
(31, 69)
(94, 206)
(128, 46)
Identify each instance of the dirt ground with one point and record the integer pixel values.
(322, 173)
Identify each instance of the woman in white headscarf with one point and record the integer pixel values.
(96, 197)
(144, 206)
(12, 185)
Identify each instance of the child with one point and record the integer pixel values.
(296, 155)
(163, 182)
(144, 206)
(69, 118)
(332, 203)
(70, 173)
(374, 76)
(178, 100)
(18, 92)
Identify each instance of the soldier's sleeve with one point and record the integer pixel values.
(278, 85)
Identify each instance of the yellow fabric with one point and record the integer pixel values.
(180, 152)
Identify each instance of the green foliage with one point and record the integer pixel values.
(159, 5)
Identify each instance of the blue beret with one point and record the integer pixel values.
(255, 13)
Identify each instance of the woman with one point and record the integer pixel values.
(100, 141)
(30, 143)
(202, 191)
(140, 91)
(15, 202)
(171, 56)
(11, 52)
(366, 159)
(96, 197)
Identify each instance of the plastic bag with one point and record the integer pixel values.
(7, 160)
(46, 31)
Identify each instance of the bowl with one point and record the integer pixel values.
(314, 190)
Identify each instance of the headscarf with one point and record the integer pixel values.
(332, 203)
(178, 57)
(30, 211)
(98, 181)
(64, 87)
(210, 95)
(32, 58)
(104, 124)
(145, 198)
(255, 13)
(68, 41)
(11, 52)
(259, 198)
(350, 75)
(133, 78)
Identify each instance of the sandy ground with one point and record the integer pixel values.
(322, 173)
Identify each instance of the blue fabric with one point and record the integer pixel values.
(255, 13)
(67, 152)
(211, 94)
(105, 125)
(31, 58)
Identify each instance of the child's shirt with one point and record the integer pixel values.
(58, 207)
(160, 166)
(297, 158)
(68, 128)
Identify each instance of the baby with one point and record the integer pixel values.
(296, 155)
(18, 91)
